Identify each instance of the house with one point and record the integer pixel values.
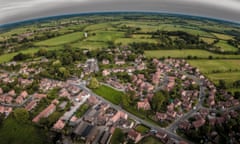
(106, 72)
(120, 62)
(30, 105)
(161, 116)
(1, 91)
(24, 94)
(199, 123)
(134, 136)
(11, 93)
(144, 105)
(105, 61)
(19, 100)
(59, 125)
(119, 115)
(161, 135)
(45, 113)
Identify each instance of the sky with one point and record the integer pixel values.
(19, 10)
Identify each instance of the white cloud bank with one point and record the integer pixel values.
(16, 10)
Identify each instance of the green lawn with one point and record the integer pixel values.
(12, 132)
(60, 40)
(142, 129)
(185, 54)
(81, 111)
(150, 140)
(117, 137)
(225, 46)
(208, 66)
(109, 94)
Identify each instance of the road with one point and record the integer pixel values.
(150, 125)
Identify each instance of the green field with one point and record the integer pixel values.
(91, 45)
(105, 36)
(60, 40)
(109, 94)
(209, 66)
(12, 132)
(126, 41)
(222, 36)
(142, 129)
(208, 40)
(228, 77)
(225, 46)
(7, 57)
(185, 54)
(150, 140)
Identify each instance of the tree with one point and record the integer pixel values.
(93, 84)
(21, 115)
(222, 84)
(157, 101)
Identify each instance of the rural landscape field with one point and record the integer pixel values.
(139, 63)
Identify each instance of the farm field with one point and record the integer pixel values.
(61, 39)
(105, 36)
(209, 66)
(185, 54)
(91, 45)
(222, 36)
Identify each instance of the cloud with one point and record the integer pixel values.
(15, 10)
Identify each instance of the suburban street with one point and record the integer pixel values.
(150, 125)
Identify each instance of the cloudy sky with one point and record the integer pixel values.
(18, 10)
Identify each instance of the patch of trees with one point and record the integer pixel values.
(21, 57)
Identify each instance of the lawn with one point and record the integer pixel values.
(209, 66)
(150, 140)
(185, 54)
(81, 111)
(13, 132)
(225, 46)
(117, 137)
(60, 40)
(109, 94)
(142, 129)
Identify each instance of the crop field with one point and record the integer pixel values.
(61, 39)
(185, 54)
(209, 66)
